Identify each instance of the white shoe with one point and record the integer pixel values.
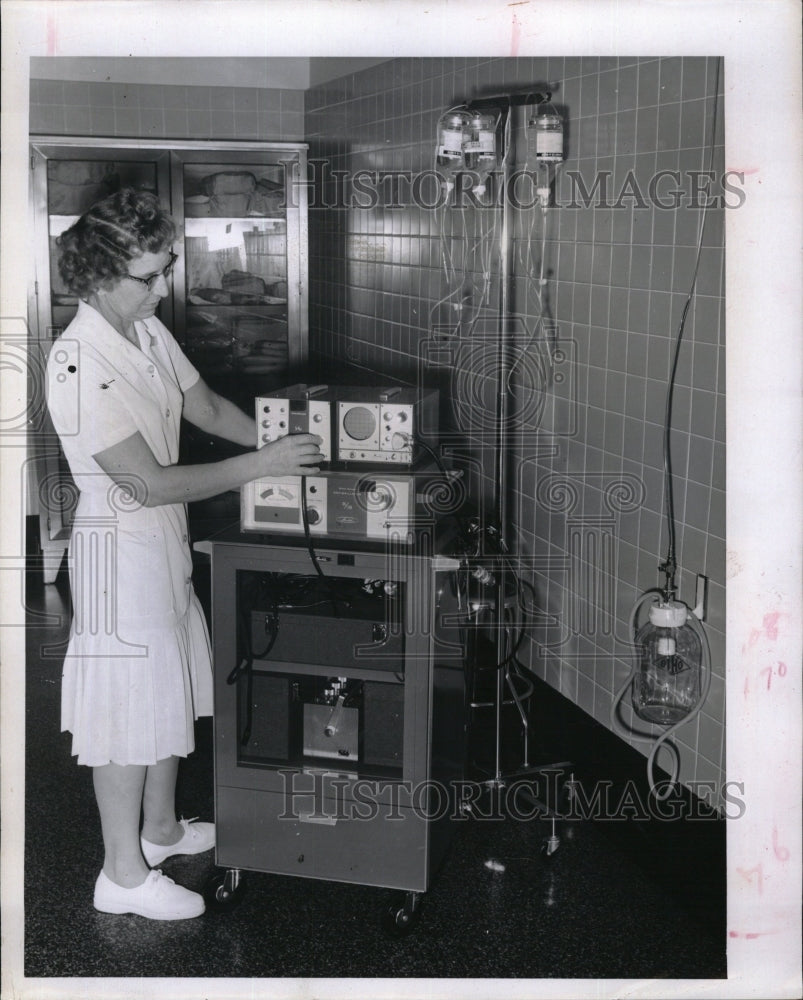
(158, 898)
(197, 838)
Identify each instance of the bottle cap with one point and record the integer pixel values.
(670, 614)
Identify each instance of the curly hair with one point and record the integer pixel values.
(97, 249)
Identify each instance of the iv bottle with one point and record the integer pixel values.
(545, 137)
(667, 685)
(480, 148)
(449, 155)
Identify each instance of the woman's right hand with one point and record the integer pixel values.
(291, 455)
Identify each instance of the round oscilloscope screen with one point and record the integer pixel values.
(359, 423)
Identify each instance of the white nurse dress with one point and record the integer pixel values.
(137, 671)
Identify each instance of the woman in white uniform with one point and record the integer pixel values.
(137, 672)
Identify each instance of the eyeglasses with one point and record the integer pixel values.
(151, 280)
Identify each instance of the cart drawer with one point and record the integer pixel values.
(261, 831)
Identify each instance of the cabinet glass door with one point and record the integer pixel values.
(69, 184)
(67, 180)
(242, 319)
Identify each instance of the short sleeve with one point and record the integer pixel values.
(84, 402)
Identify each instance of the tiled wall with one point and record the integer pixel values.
(585, 462)
(153, 111)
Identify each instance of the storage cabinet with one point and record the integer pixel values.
(339, 720)
(238, 304)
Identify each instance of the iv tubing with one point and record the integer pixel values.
(640, 737)
(541, 283)
(670, 563)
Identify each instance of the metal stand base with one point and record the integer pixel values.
(506, 695)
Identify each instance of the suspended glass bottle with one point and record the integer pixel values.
(667, 685)
(449, 156)
(480, 148)
(545, 137)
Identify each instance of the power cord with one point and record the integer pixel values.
(312, 553)
(246, 665)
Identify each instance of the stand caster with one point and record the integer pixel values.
(551, 844)
(400, 920)
(224, 890)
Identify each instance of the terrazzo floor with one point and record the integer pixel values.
(591, 910)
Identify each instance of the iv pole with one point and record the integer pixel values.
(500, 505)
(503, 104)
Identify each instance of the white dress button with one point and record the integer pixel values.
(167, 413)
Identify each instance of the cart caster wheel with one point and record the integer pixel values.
(224, 890)
(400, 920)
